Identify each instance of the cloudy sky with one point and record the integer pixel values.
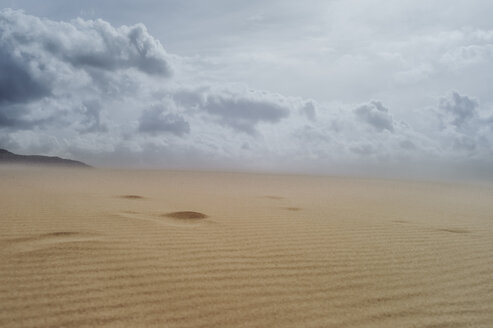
(401, 88)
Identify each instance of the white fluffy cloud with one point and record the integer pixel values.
(115, 96)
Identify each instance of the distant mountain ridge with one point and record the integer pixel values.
(6, 157)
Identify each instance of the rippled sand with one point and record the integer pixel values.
(82, 248)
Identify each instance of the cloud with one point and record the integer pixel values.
(91, 122)
(107, 94)
(465, 128)
(156, 120)
(243, 114)
(407, 144)
(375, 115)
(464, 143)
(17, 117)
(54, 73)
(85, 44)
(310, 111)
(460, 109)
(110, 49)
(18, 82)
(242, 110)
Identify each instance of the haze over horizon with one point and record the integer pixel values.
(334, 87)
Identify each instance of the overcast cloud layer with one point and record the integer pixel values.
(351, 91)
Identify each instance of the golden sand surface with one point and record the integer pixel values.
(115, 248)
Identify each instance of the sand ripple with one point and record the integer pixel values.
(327, 253)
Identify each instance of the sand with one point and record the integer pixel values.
(84, 248)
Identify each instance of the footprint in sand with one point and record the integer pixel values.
(292, 209)
(180, 218)
(186, 215)
(454, 230)
(131, 197)
(273, 197)
(186, 218)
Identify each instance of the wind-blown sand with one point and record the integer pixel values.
(82, 248)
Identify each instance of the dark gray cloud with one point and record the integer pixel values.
(364, 149)
(464, 143)
(156, 121)
(86, 44)
(111, 49)
(16, 117)
(17, 83)
(244, 114)
(191, 99)
(407, 144)
(53, 72)
(460, 109)
(375, 115)
(310, 111)
(11, 117)
(238, 110)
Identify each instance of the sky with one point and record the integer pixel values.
(356, 87)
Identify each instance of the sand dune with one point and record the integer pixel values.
(82, 248)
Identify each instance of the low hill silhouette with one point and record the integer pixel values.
(6, 157)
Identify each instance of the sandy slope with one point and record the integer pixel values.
(82, 248)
